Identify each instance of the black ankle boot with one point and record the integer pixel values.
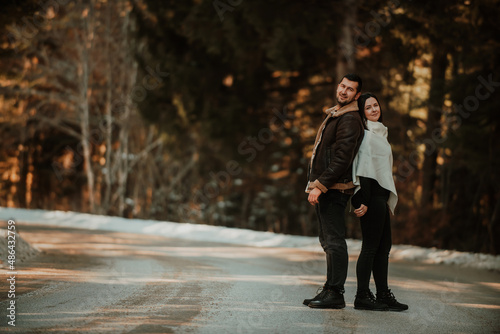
(319, 294)
(387, 297)
(332, 298)
(366, 301)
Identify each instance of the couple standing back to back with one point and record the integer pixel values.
(343, 164)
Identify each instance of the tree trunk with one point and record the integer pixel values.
(109, 118)
(346, 58)
(129, 78)
(84, 105)
(24, 162)
(433, 132)
(493, 228)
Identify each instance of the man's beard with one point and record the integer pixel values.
(346, 102)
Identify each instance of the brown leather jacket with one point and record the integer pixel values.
(336, 145)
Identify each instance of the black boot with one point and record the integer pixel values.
(387, 297)
(319, 294)
(332, 298)
(366, 301)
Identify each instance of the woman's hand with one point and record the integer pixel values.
(361, 210)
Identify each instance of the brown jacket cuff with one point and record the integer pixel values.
(321, 187)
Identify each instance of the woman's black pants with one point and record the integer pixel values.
(374, 256)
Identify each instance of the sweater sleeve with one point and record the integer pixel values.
(364, 193)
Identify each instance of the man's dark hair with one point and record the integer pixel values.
(356, 78)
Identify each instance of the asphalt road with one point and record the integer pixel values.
(108, 282)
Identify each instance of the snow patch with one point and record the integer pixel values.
(237, 236)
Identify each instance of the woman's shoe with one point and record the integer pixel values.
(387, 297)
(365, 300)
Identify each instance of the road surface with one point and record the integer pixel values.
(107, 282)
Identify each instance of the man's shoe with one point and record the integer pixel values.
(319, 294)
(366, 301)
(387, 297)
(330, 299)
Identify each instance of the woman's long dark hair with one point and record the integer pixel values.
(361, 106)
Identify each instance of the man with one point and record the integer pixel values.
(330, 186)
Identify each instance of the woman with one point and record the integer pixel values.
(374, 196)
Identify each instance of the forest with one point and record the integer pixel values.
(205, 111)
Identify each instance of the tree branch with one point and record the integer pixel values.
(68, 130)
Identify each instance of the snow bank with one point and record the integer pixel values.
(236, 236)
(23, 250)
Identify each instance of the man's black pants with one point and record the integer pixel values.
(331, 216)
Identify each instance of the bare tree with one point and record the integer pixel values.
(108, 112)
(86, 38)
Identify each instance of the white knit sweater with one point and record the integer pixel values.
(374, 160)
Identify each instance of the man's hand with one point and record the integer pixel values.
(361, 210)
(313, 196)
